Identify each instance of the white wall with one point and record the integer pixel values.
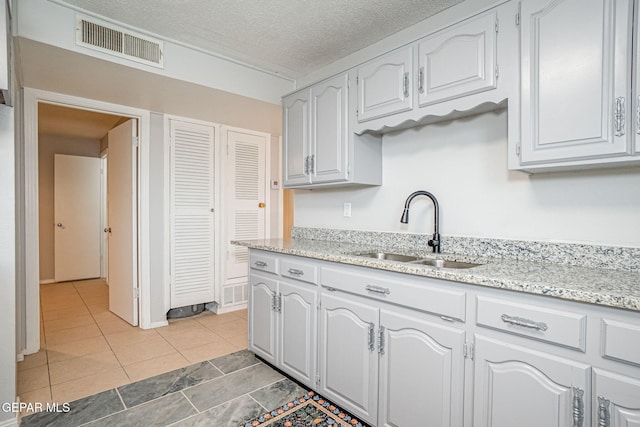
(7, 261)
(53, 24)
(464, 163)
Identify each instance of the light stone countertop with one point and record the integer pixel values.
(613, 288)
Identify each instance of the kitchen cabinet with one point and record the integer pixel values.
(458, 61)
(388, 364)
(616, 399)
(385, 85)
(576, 94)
(348, 357)
(401, 350)
(283, 316)
(319, 148)
(462, 69)
(518, 386)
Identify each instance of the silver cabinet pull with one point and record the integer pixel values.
(525, 323)
(372, 339)
(421, 80)
(306, 165)
(578, 407)
(381, 340)
(619, 116)
(295, 272)
(406, 85)
(312, 164)
(603, 412)
(260, 264)
(377, 289)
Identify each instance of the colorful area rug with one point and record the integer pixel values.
(310, 410)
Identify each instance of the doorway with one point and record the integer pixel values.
(29, 322)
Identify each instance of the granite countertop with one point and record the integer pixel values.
(613, 288)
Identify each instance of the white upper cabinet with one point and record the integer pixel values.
(295, 128)
(319, 147)
(458, 61)
(464, 68)
(329, 104)
(384, 85)
(576, 105)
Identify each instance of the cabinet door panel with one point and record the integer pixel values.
(616, 400)
(348, 358)
(575, 64)
(297, 353)
(384, 85)
(262, 319)
(421, 373)
(459, 61)
(329, 130)
(516, 386)
(295, 138)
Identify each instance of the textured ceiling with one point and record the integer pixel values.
(290, 37)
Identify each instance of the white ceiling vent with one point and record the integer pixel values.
(118, 41)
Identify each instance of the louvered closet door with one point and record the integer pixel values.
(192, 216)
(246, 196)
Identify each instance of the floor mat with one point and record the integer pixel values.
(309, 410)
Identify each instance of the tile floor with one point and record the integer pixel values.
(227, 391)
(86, 349)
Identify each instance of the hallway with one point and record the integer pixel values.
(86, 349)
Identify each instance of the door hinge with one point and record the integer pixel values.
(136, 142)
(357, 80)
(317, 381)
(517, 149)
(357, 112)
(517, 20)
(497, 71)
(467, 350)
(497, 25)
(136, 292)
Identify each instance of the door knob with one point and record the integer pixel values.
(107, 230)
(262, 205)
(59, 225)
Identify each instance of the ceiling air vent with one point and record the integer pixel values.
(118, 41)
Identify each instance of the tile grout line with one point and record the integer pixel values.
(190, 402)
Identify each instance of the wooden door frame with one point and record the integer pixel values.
(28, 257)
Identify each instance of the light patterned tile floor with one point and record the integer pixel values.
(86, 349)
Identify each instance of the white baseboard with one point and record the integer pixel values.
(157, 325)
(227, 309)
(44, 282)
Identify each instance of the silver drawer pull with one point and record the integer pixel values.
(296, 272)
(377, 289)
(260, 264)
(525, 323)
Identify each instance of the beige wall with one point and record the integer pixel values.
(49, 145)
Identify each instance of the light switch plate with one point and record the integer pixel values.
(347, 210)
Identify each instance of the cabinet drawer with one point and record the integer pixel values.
(621, 341)
(557, 327)
(420, 294)
(305, 272)
(264, 262)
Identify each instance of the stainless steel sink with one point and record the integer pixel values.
(389, 256)
(443, 263)
(434, 262)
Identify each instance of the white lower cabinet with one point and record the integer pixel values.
(348, 354)
(388, 365)
(402, 351)
(421, 378)
(282, 325)
(517, 386)
(616, 400)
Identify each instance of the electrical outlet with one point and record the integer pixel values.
(347, 210)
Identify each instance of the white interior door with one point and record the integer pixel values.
(77, 217)
(192, 260)
(122, 221)
(246, 196)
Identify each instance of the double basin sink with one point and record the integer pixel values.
(434, 262)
